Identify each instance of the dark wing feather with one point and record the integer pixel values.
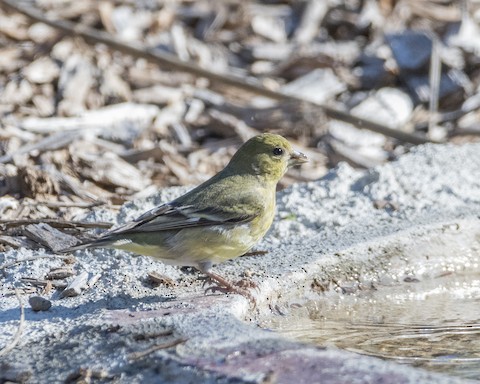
(216, 202)
(170, 217)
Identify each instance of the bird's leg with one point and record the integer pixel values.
(223, 285)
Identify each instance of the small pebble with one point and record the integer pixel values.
(39, 303)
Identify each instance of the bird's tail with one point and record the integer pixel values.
(98, 243)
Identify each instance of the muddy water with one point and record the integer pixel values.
(432, 323)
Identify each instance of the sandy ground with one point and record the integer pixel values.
(351, 227)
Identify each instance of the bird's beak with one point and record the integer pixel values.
(297, 158)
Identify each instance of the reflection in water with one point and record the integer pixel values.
(434, 324)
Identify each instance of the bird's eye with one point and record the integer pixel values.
(278, 151)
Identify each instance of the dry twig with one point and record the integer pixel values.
(56, 223)
(47, 284)
(139, 355)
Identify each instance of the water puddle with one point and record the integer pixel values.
(432, 323)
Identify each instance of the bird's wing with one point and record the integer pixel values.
(173, 216)
(217, 202)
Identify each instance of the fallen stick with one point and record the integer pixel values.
(43, 283)
(64, 204)
(56, 223)
(171, 62)
(138, 355)
(55, 141)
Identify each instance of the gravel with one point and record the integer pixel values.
(338, 228)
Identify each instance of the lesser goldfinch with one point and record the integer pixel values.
(219, 220)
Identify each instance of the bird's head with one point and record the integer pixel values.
(266, 155)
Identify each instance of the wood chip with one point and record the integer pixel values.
(60, 273)
(93, 280)
(312, 17)
(33, 182)
(50, 237)
(56, 223)
(43, 283)
(41, 71)
(76, 79)
(76, 286)
(110, 169)
(16, 241)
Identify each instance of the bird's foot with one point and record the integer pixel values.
(246, 283)
(224, 286)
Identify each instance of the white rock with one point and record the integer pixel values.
(41, 71)
(8, 202)
(270, 27)
(41, 33)
(388, 106)
(123, 121)
(63, 50)
(129, 24)
(16, 92)
(354, 137)
(317, 86)
(467, 37)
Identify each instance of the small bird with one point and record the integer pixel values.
(219, 220)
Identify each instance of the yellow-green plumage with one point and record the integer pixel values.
(213, 243)
(220, 219)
